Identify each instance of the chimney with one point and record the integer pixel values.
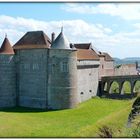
(137, 65)
(53, 37)
(71, 45)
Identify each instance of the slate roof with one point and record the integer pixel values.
(6, 47)
(61, 42)
(86, 54)
(36, 39)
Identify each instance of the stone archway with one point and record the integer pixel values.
(136, 86)
(114, 87)
(126, 87)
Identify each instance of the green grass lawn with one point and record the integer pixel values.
(83, 121)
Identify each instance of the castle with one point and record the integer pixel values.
(39, 72)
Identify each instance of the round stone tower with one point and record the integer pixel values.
(62, 90)
(7, 75)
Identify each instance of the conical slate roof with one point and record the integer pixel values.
(6, 47)
(33, 39)
(61, 42)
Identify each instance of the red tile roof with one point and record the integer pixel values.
(6, 47)
(83, 54)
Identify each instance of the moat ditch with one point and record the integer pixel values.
(135, 111)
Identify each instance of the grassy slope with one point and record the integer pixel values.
(82, 121)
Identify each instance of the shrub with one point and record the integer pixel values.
(136, 133)
(105, 132)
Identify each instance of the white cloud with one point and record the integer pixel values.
(120, 44)
(76, 29)
(137, 25)
(128, 11)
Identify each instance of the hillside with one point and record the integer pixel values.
(129, 60)
(83, 121)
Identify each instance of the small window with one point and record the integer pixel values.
(53, 68)
(102, 66)
(64, 67)
(90, 90)
(26, 66)
(35, 67)
(82, 93)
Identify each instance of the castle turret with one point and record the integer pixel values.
(6, 47)
(7, 75)
(63, 74)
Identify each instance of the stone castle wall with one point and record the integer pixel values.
(106, 68)
(87, 79)
(32, 77)
(46, 78)
(62, 79)
(126, 69)
(7, 81)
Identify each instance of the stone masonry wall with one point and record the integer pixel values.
(32, 77)
(62, 79)
(106, 68)
(88, 73)
(7, 81)
(126, 69)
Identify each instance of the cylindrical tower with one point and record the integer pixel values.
(62, 75)
(7, 75)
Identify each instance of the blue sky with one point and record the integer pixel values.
(111, 27)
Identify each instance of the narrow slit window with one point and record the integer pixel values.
(53, 68)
